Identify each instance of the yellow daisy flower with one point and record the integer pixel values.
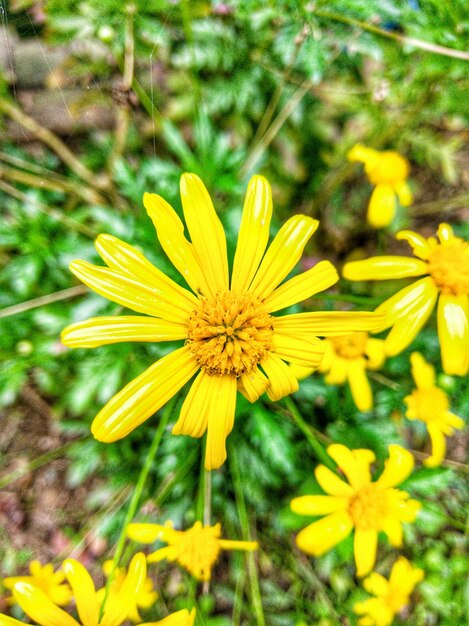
(180, 618)
(44, 578)
(232, 340)
(430, 404)
(391, 596)
(40, 608)
(196, 549)
(346, 359)
(366, 506)
(388, 171)
(143, 599)
(444, 264)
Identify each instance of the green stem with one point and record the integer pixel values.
(316, 446)
(137, 494)
(256, 597)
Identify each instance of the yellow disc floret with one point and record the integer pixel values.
(368, 506)
(230, 334)
(427, 404)
(448, 264)
(350, 346)
(388, 167)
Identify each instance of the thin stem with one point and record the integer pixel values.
(187, 25)
(208, 498)
(316, 446)
(256, 597)
(57, 296)
(446, 204)
(137, 494)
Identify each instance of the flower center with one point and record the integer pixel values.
(198, 549)
(230, 334)
(448, 265)
(428, 404)
(350, 346)
(388, 168)
(368, 506)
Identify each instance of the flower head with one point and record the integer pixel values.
(232, 339)
(40, 608)
(430, 404)
(361, 505)
(196, 549)
(44, 578)
(388, 171)
(444, 264)
(391, 596)
(346, 358)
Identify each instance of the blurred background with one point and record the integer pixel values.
(101, 100)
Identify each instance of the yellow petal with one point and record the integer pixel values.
(376, 584)
(206, 232)
(325, 533)
(99, 331)
(83, 591)
(365, 543)
(397, 467)
(298, 350)
(382, 206)
(145, 533)
(453, 332)
(254, 384)
(220, 419)
(414, 295)
(384, 268)
(143, 396)
(418, 243)
(331, 483)
(39, 607)
(10, 621)
(281, 379)
(362, 153)
(116, 612)
(329, 323)
(445, 233)
(337, 374)
(180, 618)
(404, 576)
(393, 529)
(404, 193)
(354, 463)
(318, 505)
(246, 546)
(283, 254)
(305, 285)
(170, 232)
(253, 233)
(359, 384)
(300, 372)
(124, 258)
(423, 372)
(438, 446)
(375, 352)
(193, 419)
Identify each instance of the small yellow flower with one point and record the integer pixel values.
(40, 608)
(388, 171)
(44, 578)
(180, 618)
(143, 599)
(391, 596)
(196, 549)
(366, 506)
(430, 404)
(347, 358)
(232, 340)
(444, 264)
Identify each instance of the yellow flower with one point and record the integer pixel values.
(366, 506)
(444, 263)
(388, 171)
(180, 618)
(347, 358)
(430, 404)
(36, 604)
(232, 340)
(143, 599)
(44, 578)
(391, 596)
(196, 549)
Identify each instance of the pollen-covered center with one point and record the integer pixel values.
(350, 346)
(368, 506)
(388, 168)
(230, 334)
(428, 404)
(198, 549)
(448, 264)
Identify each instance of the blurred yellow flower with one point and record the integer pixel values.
(40, 608)
(180, 618)
(196, 549)
(444, 263)
(232, 340)
(366, 506)
(391, 596)
(144, 598)
(430, 404)
(346, 359)
(44, 578)
(388, 171)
